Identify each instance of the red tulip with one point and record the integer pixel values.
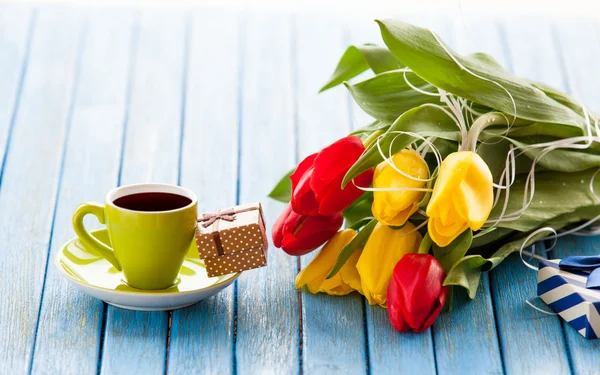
(299, 234)
(317, 182)
(415, 294)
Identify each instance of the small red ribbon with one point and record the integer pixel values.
(211, 217)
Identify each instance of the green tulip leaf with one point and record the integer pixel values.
(283, 190)
(560, 97)
(360, 223)
(513, 246)
(494, 152)
(577, 216)
(526, 131)
(466, 271)
(483, 238)
(358, 59)
(425, 121)
(449, 299)
(358, 242)
(450, 254)
(476, 78)
(386, 96)
(560, 160)
(556, 194)
(540, 128)
(372, 127)
(484, 58)
(445, 147)
(358, 210)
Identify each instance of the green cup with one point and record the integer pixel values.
(149, 245)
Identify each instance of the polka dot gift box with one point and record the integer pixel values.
(232, 240)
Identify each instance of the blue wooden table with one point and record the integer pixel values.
(225, 103)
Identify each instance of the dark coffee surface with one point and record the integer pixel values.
(152, 202)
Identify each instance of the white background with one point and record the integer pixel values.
(372, 7)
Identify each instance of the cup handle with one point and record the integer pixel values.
(86, 238)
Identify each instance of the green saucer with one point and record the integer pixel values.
(95, 276)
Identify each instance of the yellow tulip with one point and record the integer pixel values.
(350, 274)
(395, 207)
(462, 197)
(383, 250)
(313, 275)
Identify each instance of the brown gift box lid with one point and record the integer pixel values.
(231, 230)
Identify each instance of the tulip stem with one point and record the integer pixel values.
(373, 137)
(482, 122)
(425, 244)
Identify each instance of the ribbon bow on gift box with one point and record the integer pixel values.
(210, 218)
(590, 263)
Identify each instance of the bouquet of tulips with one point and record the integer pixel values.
(464, 164)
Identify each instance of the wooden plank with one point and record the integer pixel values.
(16, 26)
(393, 352)
(153, 131)
(332, 327)
(202, 335)
(525, 333)
(31, 176)
(268, 312)
(136, 341)
(578, 45)
(466, 339)
(68, 337)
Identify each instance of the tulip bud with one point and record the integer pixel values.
(415, 294)
(394, 207)
(298, 234)
(462, 197)
(382, 251)
(317, 181)
(313, 275)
